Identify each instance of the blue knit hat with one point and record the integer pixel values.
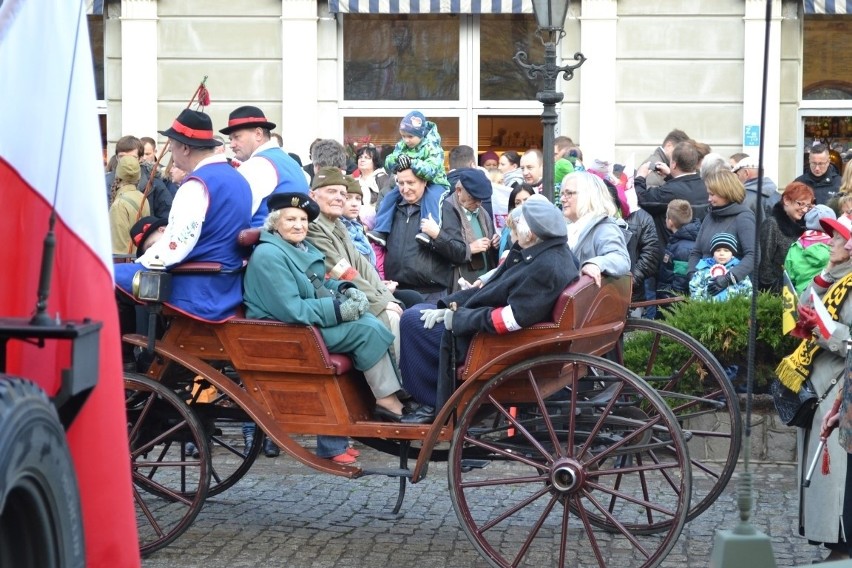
(726, 240)
(414, 123)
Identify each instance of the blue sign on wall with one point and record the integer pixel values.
(751, 135)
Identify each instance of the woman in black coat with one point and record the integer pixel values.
(521, 293)
(779, 231)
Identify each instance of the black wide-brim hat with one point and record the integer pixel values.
(247, 117)
(293, 199)
(144, 228)
(192, 128)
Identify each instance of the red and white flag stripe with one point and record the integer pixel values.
(50, 152)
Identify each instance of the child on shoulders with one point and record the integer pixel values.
(723, 247)
(419, 149)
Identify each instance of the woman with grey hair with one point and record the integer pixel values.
(521, 293)
(593, 234)
(285, 281)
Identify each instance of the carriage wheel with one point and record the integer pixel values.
(229, 461)
(696, 388)
(587, 459)
(169, 486)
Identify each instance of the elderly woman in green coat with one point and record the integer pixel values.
(285, 281)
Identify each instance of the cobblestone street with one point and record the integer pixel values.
(284, 514)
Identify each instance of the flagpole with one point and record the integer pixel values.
(203, 97)
(745, 547)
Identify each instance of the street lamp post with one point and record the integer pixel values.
(550, 17)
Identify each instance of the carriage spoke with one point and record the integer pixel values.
(147, 512)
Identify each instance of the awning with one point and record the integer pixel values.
(431, 6)
(829, 7)
(94, 7)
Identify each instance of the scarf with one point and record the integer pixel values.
(576, 228)
(466, 228)
(359, 238)
(795, 369)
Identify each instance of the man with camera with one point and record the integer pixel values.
(682, 182)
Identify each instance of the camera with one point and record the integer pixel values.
(658, 166)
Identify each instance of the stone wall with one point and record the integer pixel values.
(771, 440)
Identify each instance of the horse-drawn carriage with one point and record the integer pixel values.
(586, 454)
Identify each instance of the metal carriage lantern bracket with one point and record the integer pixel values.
(550, 18)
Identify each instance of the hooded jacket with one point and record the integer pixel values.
(427, 158)
(675, 262)
(733, 218)
(769, 192)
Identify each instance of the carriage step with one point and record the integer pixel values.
(388, 471)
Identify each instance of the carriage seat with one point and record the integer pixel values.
(270, 342)
(580, 305)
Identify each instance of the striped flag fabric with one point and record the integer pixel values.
(788, 305)
(50, 156)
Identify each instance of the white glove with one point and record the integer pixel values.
(431, 317)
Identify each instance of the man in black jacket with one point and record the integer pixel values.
(682, 182)
(159, 198)
(425, 268)
(821, 175)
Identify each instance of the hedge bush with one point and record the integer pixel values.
(723, 328)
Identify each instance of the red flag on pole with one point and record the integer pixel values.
(50, 154)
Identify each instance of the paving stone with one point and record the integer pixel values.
(283, 514)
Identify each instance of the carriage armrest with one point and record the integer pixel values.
(248, 237)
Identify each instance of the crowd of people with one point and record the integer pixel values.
(399, 261)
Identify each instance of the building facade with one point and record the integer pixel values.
(349, 69)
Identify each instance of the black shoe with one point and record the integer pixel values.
(423, 239)
(409, 405)
(385, 414)
(270, 450)
(378, 237)
(424, 414)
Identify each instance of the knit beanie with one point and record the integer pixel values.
(818, 212)
(726, 240)
(561, 169)
(414, 123)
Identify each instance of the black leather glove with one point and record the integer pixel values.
(717, 284)
(403, 163)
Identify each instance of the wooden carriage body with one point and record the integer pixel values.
(292, 385)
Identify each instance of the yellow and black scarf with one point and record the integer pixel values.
(795, 368)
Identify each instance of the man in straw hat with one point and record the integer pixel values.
(265, 165)
(211, 207)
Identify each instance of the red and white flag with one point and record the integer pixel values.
(50, 154)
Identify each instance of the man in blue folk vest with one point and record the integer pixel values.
(210, 208)
(265, 165)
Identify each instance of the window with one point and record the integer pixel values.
(401, 57)
(501, 36)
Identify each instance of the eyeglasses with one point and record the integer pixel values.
(819, 164)
(807, 206)
(567, 194)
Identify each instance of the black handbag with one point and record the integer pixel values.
(797, 408)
